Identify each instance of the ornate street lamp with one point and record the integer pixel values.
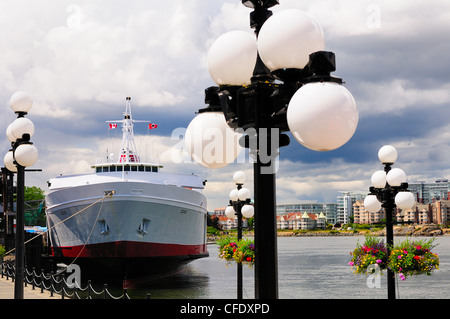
(239, 207)
(389, 191)
(276, 83)
(22, 154)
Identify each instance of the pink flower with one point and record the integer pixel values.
(351, 263)
(402, 277)
(399, 257)
(379, 261)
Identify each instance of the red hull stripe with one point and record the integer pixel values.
(130, 249)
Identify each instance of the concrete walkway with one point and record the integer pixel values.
(7, 291)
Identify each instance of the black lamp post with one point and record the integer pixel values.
(239, 207)
(389, 191)
(276, 83)
(22, 154)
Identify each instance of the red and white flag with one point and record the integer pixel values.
(112, 125)
(152, 125)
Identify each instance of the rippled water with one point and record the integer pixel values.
(308, 267)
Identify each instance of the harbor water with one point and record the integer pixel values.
(308, 268)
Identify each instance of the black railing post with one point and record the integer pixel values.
(105, 290)
(33, 278)
(51, 283)
(89, 290)
(42, 281)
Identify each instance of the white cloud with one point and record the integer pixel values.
(396, 95)
(78, 59)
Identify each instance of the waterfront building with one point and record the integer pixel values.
(294, 221)
(219, 211)
(441, 212)
(304, 220)
(434, 213)
(309, 207)
(307, 222)
(345, 203)
(427, 193)
(282, 222)
(230, 223)
(329, 210)
(362, 216)
(432, 205)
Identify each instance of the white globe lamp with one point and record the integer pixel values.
(9, 134)
(395, 177)
(322, 116)
(20, 102)
(26, 155)
(372, 204)
(229, 212)
(243, 194)
(247, 211)
(21, 126)
(239, 177)
(387, 154)
(211, 142)
(234, 195)
(232, 57)
(404, 200)
(378, 179)
(8, 160)
(287, 39)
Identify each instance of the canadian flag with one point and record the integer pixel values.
(152, 125)
(112, 125)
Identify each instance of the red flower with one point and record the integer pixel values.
(416, 257)
(249, 258)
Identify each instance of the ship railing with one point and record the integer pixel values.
(57, 284)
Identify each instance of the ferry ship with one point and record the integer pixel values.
(127, 218)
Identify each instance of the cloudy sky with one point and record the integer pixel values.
(78, 60)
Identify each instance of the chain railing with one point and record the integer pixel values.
(57, 284)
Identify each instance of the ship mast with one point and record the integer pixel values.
(128, 153)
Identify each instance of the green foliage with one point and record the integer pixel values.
(410, 257)
(213, 221)
(413, 257)
(34, 193)
(242, 251)
(372, 252)
(212, 231)
(34, 206)
(2, 251)
(250, 223)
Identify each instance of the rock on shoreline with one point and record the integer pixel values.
(423, 230)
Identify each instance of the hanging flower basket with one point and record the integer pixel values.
(245, 252)
(227, 248)
(413, 257)
(242, 251)
(366, 257)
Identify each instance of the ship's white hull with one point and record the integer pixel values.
(140, 225)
